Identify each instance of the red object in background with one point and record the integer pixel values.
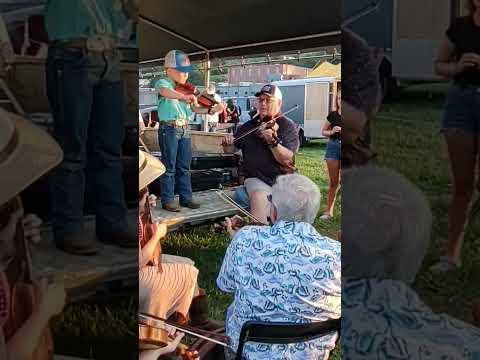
(153, 118)
(36, 32)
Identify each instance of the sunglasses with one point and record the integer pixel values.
(266, 100)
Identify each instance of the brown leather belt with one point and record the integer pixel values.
(80, 44)
(175, 123)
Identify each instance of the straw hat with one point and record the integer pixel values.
(26, 153)
(149, 169)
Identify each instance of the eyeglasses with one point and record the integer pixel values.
(268, 101)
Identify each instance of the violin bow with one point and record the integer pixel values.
(295, 107)
(157, 321)
(232, 202)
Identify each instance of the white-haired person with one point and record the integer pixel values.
(386, 226)
(286, 272)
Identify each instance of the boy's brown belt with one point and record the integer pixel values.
(179, 123)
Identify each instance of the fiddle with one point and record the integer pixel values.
(148, 234)
(269, 122)
(152, 334)
(204, 99)
(24, 296)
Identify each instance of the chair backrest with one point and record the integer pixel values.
(283, 333)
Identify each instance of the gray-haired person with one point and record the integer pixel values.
(386, 226)
(284, 273)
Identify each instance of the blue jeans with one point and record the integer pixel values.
(176, 147)
(86, 93)
(462, 109)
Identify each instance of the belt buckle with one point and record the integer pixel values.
(180, 123)
(97, 44)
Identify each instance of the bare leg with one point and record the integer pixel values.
(333, 167)
(259, 205)
(462, 150)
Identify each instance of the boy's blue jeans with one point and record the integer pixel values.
(87, 102)
(176, 147)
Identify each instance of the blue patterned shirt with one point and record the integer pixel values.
(284, 273)
(385, 319)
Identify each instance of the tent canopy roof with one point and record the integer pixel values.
(239, 28)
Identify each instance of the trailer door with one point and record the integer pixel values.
(419, 27)
(294, 95)
(317, 107)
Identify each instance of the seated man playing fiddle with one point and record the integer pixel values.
(267, 153)
(168, 285)
(284, 273)
(26, 153)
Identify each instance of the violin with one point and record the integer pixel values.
(204, 99)
(152, 335)
(24, 296)
(147, 222)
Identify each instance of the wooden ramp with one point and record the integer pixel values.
(212, 207)
(113, 267)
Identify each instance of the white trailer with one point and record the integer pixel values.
(315, 98)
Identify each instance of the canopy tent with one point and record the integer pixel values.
(327, 69)
(247, 27)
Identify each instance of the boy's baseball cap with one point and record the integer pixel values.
(270, 90)
(178, 60)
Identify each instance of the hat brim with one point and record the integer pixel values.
(149, 171)
(266, 93)
(35, 153)
(184, 69)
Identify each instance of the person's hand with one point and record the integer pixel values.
(228, 140)
(267, 135)
(190, 99)
(336, 129)
(153, 200)
(170, 348)
(31, 226)
(468, 60)
(158, 230)
(229, 225)
(52, 298)
(218, 108)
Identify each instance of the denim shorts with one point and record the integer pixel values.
(462, 109)
(334, 150)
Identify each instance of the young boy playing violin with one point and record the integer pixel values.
(174, 111)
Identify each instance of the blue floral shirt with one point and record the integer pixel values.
(284, 273)
(385, 319)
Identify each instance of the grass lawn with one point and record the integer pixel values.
(406, 138)
(207, 249)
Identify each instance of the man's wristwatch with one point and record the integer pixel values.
(275, 143)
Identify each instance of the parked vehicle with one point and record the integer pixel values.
(408, 32)
(315, 98)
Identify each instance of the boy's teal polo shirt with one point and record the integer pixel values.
(74, 19)
(171, 109)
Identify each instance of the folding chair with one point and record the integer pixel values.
(283, 333)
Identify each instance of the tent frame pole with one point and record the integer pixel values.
(256, 44)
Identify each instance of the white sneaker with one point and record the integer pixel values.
(326, 217)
